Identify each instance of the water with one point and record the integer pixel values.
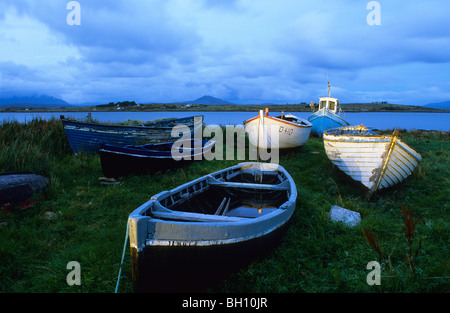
(378, 120)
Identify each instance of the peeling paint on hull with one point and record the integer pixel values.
(88, 137)
(376, 161)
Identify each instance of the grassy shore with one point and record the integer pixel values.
(81, 220)
(167, 107)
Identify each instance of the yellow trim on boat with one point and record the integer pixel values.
(386, 162)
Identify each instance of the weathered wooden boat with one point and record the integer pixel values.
(280, 132)
(119, 161)
(88, 136)
(327, 115)
(377, 161)
(212, 223)
(16, 189)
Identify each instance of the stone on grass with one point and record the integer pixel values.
(350, 218)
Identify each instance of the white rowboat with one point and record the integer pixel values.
(281, 132)
(377, 161)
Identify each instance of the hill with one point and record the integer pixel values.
(207, 100)
(34, 101)
(440, 105)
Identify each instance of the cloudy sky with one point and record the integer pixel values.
(243, 51)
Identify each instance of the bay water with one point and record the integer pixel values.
(375, 120)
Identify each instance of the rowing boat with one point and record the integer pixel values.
(88, 136)
(210, 223)
(117, 161)
(279, 132)
(377, 161)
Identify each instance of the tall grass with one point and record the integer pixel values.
(34, 146)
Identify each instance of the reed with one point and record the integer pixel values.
(410, 225)
(373, 242)
(34, 146)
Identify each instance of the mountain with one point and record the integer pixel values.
(35, 101)
(439, 105)
(208, 100)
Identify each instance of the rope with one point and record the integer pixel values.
(123, 255)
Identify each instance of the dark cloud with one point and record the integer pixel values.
(11, 70)
(123, 31)
(241, 51)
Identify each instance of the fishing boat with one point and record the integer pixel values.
(120, 161)
(377, 161)
(210, 224)
(17, 189)
(279, 132)
(88, 136)
(327, 115)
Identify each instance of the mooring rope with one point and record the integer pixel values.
(123, 255)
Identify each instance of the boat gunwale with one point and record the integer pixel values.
(140, 211)
(320, 113)
(191, 152)
(211, 242)
(67, 122)
(349, 128)
(108, 128)
(232, 222)
(359, 139)
(278, 119)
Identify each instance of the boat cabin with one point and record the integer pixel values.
(328, 103)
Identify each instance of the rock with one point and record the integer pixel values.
(51, 215)
(350, 218)
(108, 181)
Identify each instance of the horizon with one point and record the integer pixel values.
(36, 96)
(241, 51)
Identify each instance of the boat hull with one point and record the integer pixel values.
(159, 230)
(274, 132)
(376, 161)
(122, 161)
(88, 137)
(18, 188)
(169, 269)
(323, 120)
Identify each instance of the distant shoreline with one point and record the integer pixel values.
(178, 107)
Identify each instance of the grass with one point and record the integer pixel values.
(405, 228)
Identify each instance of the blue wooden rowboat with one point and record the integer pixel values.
(119, 161)
(189, 235)
(87, 137)
(327, 115)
